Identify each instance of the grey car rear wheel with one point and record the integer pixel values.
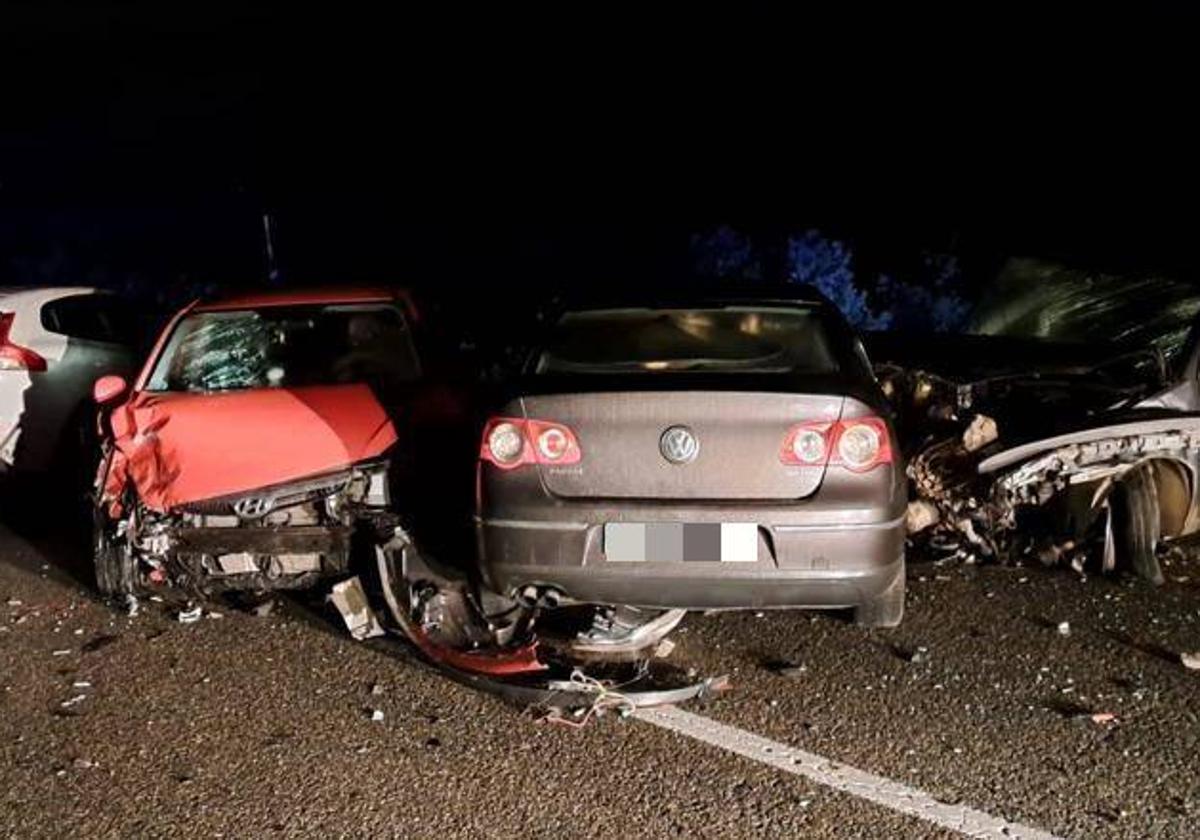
(885, 609)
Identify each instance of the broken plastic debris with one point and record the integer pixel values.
(1104, 717)
(1191, 661)
(97, 643)
(131, 605)
(921, 514)
(191, 615)
(377, 715)
(782, 668)
(13, 602)
(351, 601)
(980, 433)
(78, 698)
(1064, 628)
(61, 652)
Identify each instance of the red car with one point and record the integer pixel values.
(255, 442)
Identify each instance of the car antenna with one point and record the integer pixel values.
(268, 222)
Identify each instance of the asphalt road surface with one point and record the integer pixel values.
(247, 726)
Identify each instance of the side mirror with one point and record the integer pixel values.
(109, 389)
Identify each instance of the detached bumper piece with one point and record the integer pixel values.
(559, 690)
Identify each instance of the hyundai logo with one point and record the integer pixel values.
(678, 445)
(253, 507)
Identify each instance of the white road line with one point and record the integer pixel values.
(842, 777)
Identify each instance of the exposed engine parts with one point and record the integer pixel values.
(285, 537)
(1103, 496)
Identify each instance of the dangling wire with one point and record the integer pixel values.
(606, 698)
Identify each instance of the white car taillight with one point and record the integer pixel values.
(858, 445)
(809, 446)
(505, 443)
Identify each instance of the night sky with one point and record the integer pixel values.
(497, 152)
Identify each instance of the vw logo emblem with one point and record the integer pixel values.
(253, 507)
(678, 445)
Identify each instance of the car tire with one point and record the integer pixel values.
(886, 609)
(116, 574)
(1136, 523)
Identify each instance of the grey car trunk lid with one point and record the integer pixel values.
(739, 436)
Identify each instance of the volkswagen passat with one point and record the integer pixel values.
(715, 453)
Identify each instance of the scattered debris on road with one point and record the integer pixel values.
(350, 600)
(611, 662)
(786, 668)
(190, 615)
(97, 643)
(914, 655)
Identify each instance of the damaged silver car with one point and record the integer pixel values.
(1063, 428)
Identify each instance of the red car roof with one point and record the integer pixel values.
(300, 297)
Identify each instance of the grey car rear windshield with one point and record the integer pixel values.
(758, 340)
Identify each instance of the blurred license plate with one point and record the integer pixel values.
(667, 542)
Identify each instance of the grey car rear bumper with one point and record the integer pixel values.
(814, 564)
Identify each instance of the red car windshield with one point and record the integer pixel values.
(286, 346)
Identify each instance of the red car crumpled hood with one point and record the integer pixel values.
(178, 448)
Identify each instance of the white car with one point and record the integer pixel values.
(54, 343)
